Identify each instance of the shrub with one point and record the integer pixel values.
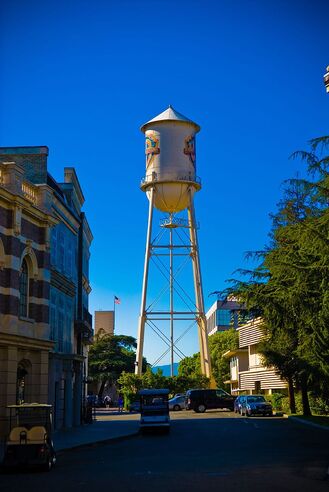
(276, 400)
(319, 405)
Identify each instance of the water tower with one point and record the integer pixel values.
(170, 184)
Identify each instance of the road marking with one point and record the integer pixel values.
(217, 474)
(247, 422)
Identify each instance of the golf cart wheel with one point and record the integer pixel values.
(176, 408)
(48, 465)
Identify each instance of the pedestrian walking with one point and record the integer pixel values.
(120, 404)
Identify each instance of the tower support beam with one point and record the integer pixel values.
(142, 316)
(201, 320)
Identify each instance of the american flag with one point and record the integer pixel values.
(116, 300)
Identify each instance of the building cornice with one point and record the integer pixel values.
(13, 200)
(26, 342)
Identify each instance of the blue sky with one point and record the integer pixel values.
(81, 77)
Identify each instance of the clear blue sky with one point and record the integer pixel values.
(81, 77)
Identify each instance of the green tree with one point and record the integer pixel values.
(109, 356)
(190, 366)
(130, 384)
(219, 343)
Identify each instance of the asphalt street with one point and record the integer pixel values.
(214, 451)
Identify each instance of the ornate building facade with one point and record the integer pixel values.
(45, 325)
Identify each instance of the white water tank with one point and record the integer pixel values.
(170, 160)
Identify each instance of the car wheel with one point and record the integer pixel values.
(176, 408)
(201, 408)
(48, 465)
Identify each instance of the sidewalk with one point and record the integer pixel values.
(109, 425)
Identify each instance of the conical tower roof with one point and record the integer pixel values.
(170, 114)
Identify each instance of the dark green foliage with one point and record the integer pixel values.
(109, 356)
(219, 343)
(190, 366)
(277, 400)
(290, 287)
(130, 384)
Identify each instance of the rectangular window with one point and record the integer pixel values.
(53, 246)
(23, 290)
(223, 317)
(61, 251)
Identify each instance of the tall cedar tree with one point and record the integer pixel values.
(290, 286)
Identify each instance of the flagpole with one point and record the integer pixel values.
(113, 314)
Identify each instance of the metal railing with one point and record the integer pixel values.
(151, 178)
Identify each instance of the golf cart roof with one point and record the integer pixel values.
(147, 392)
(30, 405)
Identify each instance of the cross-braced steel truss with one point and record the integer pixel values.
(181, 248)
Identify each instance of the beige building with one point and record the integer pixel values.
(45, 326)
(247, 371)
(104, 322)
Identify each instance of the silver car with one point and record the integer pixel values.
(177, 403)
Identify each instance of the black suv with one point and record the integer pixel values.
(200, 400)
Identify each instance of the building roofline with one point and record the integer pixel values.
(25, 150)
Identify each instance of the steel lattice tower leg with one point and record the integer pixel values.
(141, 322)
(199, 302)
(202, 324)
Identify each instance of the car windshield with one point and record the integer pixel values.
(256, 399)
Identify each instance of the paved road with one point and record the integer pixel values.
(210, 452)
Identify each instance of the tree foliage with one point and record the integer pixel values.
(219, 343)
(109, 356)
(290, 286)
(130, 384)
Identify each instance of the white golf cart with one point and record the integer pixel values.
(154, 409)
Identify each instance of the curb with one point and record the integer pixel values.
(94, 444)
(305, 422)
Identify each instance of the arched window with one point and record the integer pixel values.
(24, 290)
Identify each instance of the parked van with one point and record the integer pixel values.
(200, 400)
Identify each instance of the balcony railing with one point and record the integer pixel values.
(29, 192)
(87, 317)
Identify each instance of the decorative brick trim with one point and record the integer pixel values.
(39, 312)
(62, 283)
(33, 232)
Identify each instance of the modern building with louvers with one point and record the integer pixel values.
(45, 325)
(248, 373)
(226, 314)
